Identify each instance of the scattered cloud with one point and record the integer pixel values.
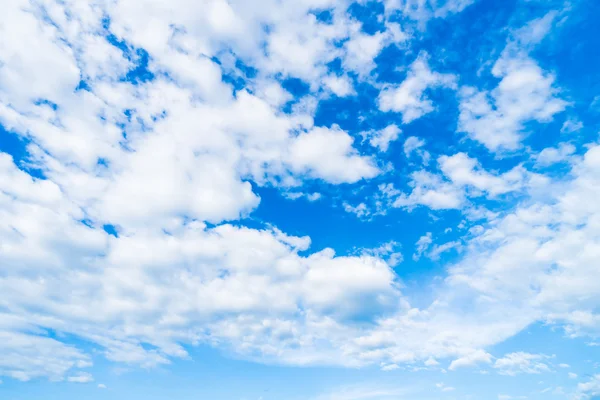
(470, 360)
(409, 98)
(83, 377)
(149, 138)
(553, 155)
(571, 126)
(520, 362)
(381, 139)
(524, 93)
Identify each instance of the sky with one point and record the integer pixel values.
(299, 200)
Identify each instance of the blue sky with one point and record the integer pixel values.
(311, 199)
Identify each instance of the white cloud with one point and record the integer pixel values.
(465, 171)
(431, 362)
(424, 10)
(422, 245)
(444, 388)
(553, 155)
(328, 154)
(525, 93)
(589, 389)
(177, 293)
(298, 195)
(361, 210)
(390, 252)
(470, 360)
(361, 50)
(415, 145)
(340, 85)
(571, 126)
(520, 362)
(432, 191)
(101, 386)
(409, 98)
(411, 144)
(82, 377)
(529, 237)
(381, 139)
(26, 356)
(438, 250)
(465, 178)
(390, 367)
(190, 155)
(535, 30)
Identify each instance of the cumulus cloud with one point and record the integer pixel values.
(328, 154)
(465, 171)
(470, 360)
(588, 389)
(339, 85)
(422, 244)
(553, 155)
(412, 144)
(521, 362)
(430, 190)
(424, 10)
(147, 150)
(409, 98)
(524, 93)
(382, 138)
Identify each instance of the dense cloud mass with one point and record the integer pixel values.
(149, 130)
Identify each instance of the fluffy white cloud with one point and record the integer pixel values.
(422, 245)
(340, 85)
(472, 359)
(521, 362)
(155, 159)
(444, 388)
(551, 244)
(553, 155)
(381, 139)
(26, 356)
(328, 154)
(437, 250)
(571, 125)
(463, 178)
(167, 161)
(525, 93)
(432, 191)
(465, 171)
(251, 291)
(409, 98)
(361, 49)
(423, 10)
(411, 144)
(589, 389)
(298, 195)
